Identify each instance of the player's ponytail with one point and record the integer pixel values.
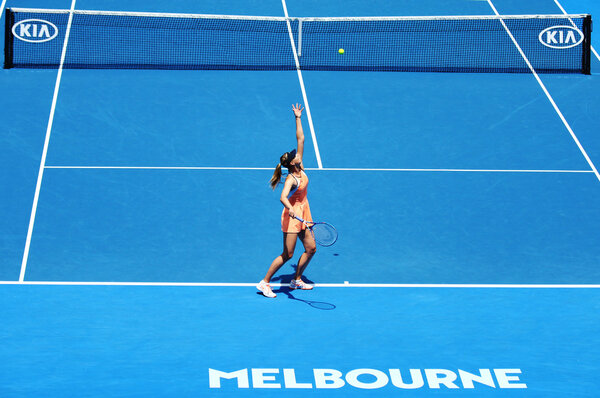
(276, 177)
(284, 160)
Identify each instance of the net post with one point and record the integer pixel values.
(300, 37)
(8, 39)
(587, 44)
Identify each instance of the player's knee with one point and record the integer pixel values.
(311, 250)
(286, 255)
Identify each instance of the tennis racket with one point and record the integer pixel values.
(324, 234)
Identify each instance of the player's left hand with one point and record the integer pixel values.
(297, 110)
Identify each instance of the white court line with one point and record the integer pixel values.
(585, 155)
(595, 53)
(2, 8)
(320, 285)
(2, 11)
(158, 168)
(305, 98)
(461, 170)
(46, 142)
(317, 169)
(573, 23)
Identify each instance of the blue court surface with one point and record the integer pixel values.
(137, 219)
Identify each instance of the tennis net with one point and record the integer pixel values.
(34, 38)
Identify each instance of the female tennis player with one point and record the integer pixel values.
(293, 197)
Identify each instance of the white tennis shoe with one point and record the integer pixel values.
(265, 288)
(299, 284)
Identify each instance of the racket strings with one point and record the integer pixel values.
(325, 234)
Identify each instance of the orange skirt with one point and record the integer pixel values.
(291, 225)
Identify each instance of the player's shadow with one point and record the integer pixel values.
(285, 289)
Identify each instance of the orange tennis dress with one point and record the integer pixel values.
(299, 202)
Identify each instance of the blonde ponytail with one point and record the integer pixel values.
(276, 177)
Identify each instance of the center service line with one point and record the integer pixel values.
(46, 142)
(304, 97)
(585, 155)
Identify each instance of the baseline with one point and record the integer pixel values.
(314, 169)
(326, 285)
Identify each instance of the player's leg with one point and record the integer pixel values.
(310, 248)
(289, 244)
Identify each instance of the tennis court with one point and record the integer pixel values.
(137, 220)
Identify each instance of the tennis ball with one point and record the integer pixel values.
(341, 50)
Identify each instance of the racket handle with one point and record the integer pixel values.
(304, 222)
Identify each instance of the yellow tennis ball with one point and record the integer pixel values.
(341, 50)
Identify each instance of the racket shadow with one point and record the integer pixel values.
(284, 289)
(319, 305)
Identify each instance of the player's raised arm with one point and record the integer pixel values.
(299, 132)
(295, 216)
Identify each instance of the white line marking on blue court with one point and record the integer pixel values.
(585, 155)
(157, 168)
(305, 98)
(322, 285)
(458, 170)
(573, 23)
(595, 53)
(46, 142)
(2, 8)
(318, 169)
